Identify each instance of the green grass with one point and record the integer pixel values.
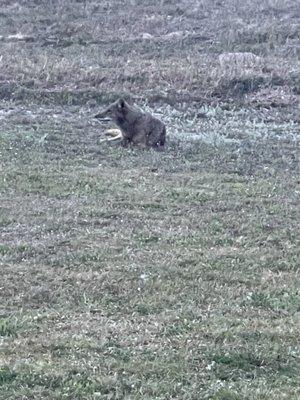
(140, 284)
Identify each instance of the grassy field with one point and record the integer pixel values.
(131, 274)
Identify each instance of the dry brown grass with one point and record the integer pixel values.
(76, 46)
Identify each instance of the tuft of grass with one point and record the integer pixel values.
(279, 300)
(4, 249)
(8, 327)
(7, 375)
(224, 394)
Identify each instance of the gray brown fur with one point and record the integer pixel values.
(138, 127)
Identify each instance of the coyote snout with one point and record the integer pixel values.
(137, 127)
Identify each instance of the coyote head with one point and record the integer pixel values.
(114, 111)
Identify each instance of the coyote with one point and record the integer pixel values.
(137, 127)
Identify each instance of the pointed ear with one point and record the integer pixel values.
(121, 103)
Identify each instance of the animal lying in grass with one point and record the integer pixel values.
(137, 127)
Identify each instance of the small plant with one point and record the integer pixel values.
(6, 375)
(9, 327)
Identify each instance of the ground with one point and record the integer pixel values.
(132, 274)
